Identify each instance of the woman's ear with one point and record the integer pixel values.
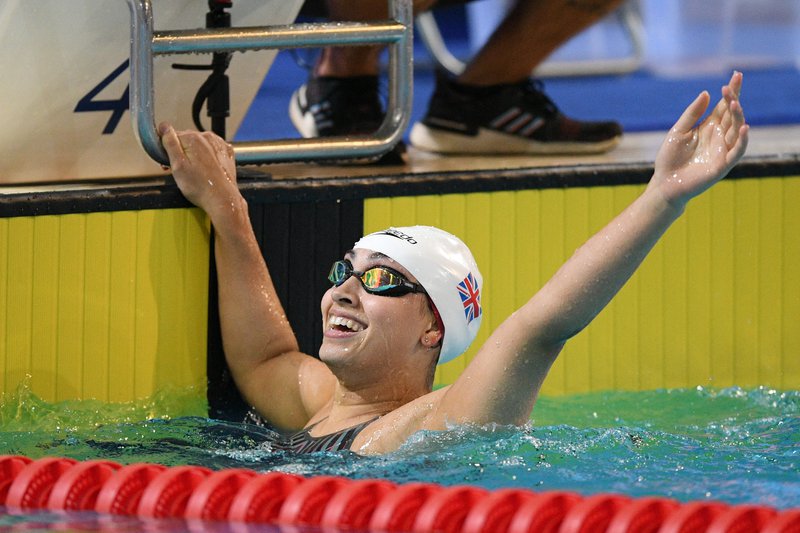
(432, 338)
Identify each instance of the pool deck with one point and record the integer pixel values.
(636, 148)
(773, 151)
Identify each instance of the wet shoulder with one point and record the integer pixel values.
(390, 431)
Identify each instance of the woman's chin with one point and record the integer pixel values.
(334, 351)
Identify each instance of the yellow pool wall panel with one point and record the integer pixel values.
(716, 303)
(108, 305)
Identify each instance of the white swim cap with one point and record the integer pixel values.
(444, 266)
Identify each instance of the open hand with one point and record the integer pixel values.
(693, 158)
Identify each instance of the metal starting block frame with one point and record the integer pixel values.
(396, 33)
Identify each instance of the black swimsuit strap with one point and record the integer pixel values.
(303, 442)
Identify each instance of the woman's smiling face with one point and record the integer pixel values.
(361, 329)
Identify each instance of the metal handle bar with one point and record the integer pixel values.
(396, 33)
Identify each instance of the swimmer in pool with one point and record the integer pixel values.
(405, 298)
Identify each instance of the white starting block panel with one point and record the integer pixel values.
(64, 94)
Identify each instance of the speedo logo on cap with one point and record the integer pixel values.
(399, 234)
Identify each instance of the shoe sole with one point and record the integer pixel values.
(303, 121)
(490, 142)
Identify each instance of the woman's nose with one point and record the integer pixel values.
(347, 292)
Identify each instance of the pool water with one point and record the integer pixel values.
(732, 445)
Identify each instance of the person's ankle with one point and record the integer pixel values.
(343, 64)
(473, 89)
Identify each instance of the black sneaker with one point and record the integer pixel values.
(327, 106)
(506, 119)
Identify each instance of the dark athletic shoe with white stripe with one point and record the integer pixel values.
(327, 106)
(505, 119)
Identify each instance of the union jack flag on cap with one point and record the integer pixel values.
(470, 295)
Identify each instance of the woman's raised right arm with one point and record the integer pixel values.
(260, 346)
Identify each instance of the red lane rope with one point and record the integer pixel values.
(31, 488)
(121, 493)
(353, 505)
(545, 513)
(260, 499)
(10, 467)
(212, 499)
(168, 493)
(397, 510)
(646, 514)
(78, 487)
(240, 495)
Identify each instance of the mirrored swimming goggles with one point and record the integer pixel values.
(379, 280)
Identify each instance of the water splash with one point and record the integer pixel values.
(733, 445)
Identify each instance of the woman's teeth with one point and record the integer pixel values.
(345, 323)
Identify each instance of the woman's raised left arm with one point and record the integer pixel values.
(503, 380)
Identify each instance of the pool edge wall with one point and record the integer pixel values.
(715, 304)
(104, 305)
(108, 292)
